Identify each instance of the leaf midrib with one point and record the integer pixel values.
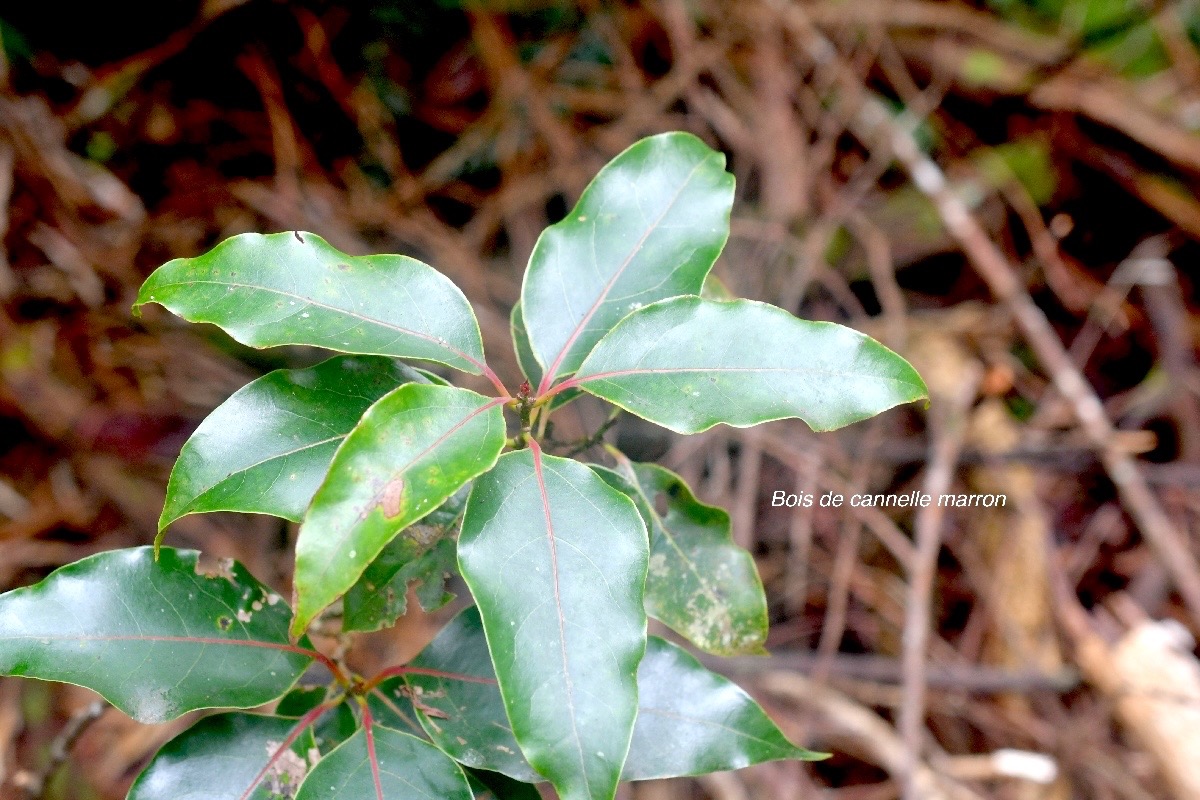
(560, 615)
(551, 373)
(201, 640)
(190, 507)
(673, 370)
(348, 312)
(403, 470)
(669, 535)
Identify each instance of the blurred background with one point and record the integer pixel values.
(1001, 190)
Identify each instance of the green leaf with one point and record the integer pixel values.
(391, 706)
(530, 368)
(379, 598)
(689, 364)
(332, 728)
(528, 362)
(412, 450)
(425, 555)
(690, 721)
(556, 560)
(301, 700)
(700, 583)
(293, 288)
(715, 289)
(378, 762)
(155, 639)
(227, 757)
(266, 448)
(466, 718)
(648, 226)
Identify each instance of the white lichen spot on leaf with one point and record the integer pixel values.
(223, 568)
(284, 777)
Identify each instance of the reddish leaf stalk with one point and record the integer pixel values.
(303, 723)
(552, 372)
(491, 375)
(569, 383)
(395, 709)
(392, 672)
(325, 660)
(372, 758)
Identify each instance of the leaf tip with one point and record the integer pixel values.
(804, 754)
(300, 619)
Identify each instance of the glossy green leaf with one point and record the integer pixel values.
(689, 364)
(379, 598)
(227, 757)
(466, 718)
(426, 555)
(530, 368)
(431, 377)
(391, 706)
(412, 450)
(156, 639)
(648, 226)
(556, 561)
(378, 762)
(294, 288)
(266, 448)
(690, 721)
(301, 700)
(332, 728)
(715, 289)
(700, 583)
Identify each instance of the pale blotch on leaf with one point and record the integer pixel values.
(286, 774)
(393, 492)
(222, 569)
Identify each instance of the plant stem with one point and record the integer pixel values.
(372, 758)
(596, 437)
(496, 382)
(395, 709)
(525, 411)
(392, 672)
(305, 721)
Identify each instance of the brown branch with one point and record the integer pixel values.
(863, 731)
(35, 785)
(969, 678)
(948, 433)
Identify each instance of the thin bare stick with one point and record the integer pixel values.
(949, 428)
(994, 268)
(862, 731)
(60, 748)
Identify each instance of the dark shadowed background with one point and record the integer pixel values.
(1051, 237)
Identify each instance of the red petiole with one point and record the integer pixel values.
(392, 672)
(301, 725)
